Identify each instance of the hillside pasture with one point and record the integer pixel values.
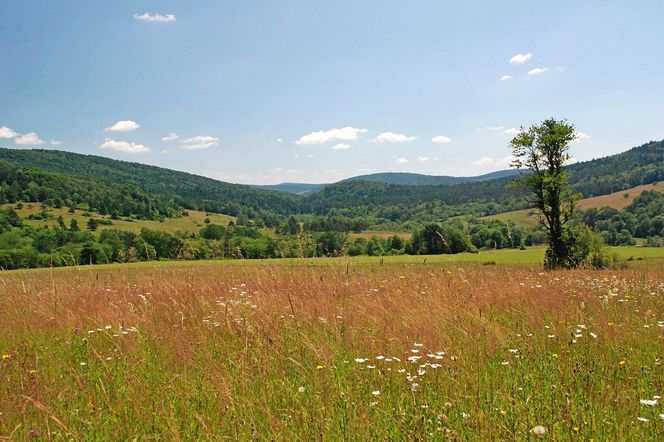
(619, 200)
(192, 223)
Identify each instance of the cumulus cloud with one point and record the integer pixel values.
(123, 126)
(441, 139)
(155, 18)
(537, 71)
(6, 132)
(199, 142)
(124, 146)
(484, 161)
(506, 77)
(401, 160)
(512, 131)
(56, 142)
(580, 136)
(423, 159)
(29, 138)
(521, 58)
(391, 137)
(280, 140)
(170, 137)
(323, 136)
(341, 146)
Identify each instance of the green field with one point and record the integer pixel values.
(192, 223)
(633, 256)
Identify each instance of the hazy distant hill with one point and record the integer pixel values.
(416, 179)
(296, 188)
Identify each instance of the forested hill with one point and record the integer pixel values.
(417, 179)
(185, 189)
(108, 185)
(640, 165)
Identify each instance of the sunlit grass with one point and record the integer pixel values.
(331, 351)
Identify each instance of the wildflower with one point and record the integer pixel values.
(417, 344)
(300, 390)
(319, 367)
(83, 364)
(622, 362)
(379, 357)
(376, 392)
(505, 363)
(371, 366)
(6, 357)
(361, 360)
(649, 402)
(555, 355)
(465, 415)
(643, 419)
(33, 432)
(513, 350)
(538, 429)
(593, 335)
(661, 415)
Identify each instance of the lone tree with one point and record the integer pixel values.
(544, 149)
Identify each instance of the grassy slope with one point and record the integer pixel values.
(308, 353)
(527, 218)
(618, 199)
(191, 224)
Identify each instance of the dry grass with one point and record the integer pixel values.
(271, 353)
(619, 200)
(384, 234)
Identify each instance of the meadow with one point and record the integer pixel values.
(346, 350)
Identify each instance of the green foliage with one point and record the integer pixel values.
(544, 149)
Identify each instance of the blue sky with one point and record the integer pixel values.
(316, 91)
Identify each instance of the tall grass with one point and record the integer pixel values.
(339, 352)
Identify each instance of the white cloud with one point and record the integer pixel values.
(537, 71)
(391, 137)
(484, 161)
(29, 138)
(199, 142)
(6, 132)
(56, 142)
(279, 140)
(155, 18)
(441, 139)
(491, 128)
(506, 77)
(423, 159)
(323, 136)
(123, 126)
(512, 131)
(580, 136)
(341, 146)
(124, 146)
(521, 58)
(170, 137)
(401, 160)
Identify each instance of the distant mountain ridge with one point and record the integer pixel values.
(397, 178)
(417, 179)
